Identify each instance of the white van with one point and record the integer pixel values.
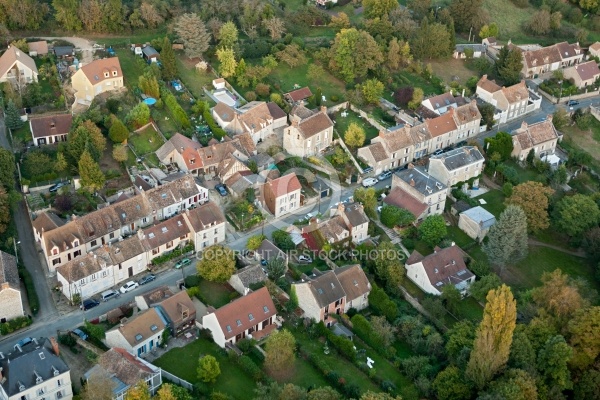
(109, 294)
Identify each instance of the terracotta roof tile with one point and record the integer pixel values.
(177, 306)
(11, 56)
(245, 312)
(205, 216)
(126, 367)
(354, 281)
(535, 134)
(46, 221)
(41, 47)
(81, 267)
(334, 229)
(276, 111)
(488, 85)
(402, 199)
(165, 231)
(588, 70)
(95, 71)
(284, 185)
(396, 140)
(224, 112)
(299, 94)
(9, 272)
(315, 124)
(516, 93)
(444, 266)
(378, 151)
(145, 324)
(467, 113)
(543, 56)
(442, 124)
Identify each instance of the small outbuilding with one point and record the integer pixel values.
(476, 222)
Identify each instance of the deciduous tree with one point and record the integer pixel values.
(340, 21)
(7, 169)
(480, 289)
(372, 90)
(553, 361)
(468, 14)
(151, 16)
(450, 385)
(432, 230)
(516, 384)
(85, 137)
(558, 296)
(275, 26)
(583, 337)
(533, 198)
(254, 242)
(574, 215)
(4, 210)
(208, 369)
(292, 55)
(92, 177)
(460, 342)
(354, 136)
(368, 198)
(283, 240)
(119, 153)
(65, 13)
(507, 238)
(490, 30)
(431, 40)
(417, 98)
(392, 216)
(138, 392)
(451, 297)
(388, 265)
(217, 264)
(280, 353)
(501, 143)
(226, 57)
(403, 95)
(539, 24)
(379, 8)
(487, 114)
(353, 54)
(99, 386)
(192, 31)
(494, 337)
(61, 163)
(228, 35)
(398, 54)
(275, 268)
(138, 116)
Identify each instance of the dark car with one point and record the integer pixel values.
(89, 303)
(572, 103)
(54, 188)
(23, 342)
(221, 189)
(147, 279)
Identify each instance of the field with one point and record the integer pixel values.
(145, 141)
(588, 140)
(509, 18)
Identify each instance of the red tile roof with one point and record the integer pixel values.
(286, 184)
(441, 125)
(300, 94)
(588, 70)
(444, 266)
(95, 70)
(402, 199)
(245, 312)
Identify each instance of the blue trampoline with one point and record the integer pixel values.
(150, 101)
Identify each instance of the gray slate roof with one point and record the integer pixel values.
(476, 47)
(421, 180)
(8, 270)
(481, 216)
(251, 274)
(356, 214)
(18, 367)
(326, 289)
(268, 250)
(460, 157)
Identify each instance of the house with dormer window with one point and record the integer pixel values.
(252, 316)
(35, 372)
(50, 129)
(165, 236)
(17, 67)
(443, 267)
(97, 77)
(206, 224)
(333, 292)
(138, 335)
(257, 118)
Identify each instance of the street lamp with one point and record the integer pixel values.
(560, 92)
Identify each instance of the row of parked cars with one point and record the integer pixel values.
(112, 294)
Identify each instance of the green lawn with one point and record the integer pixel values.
(287, 77)
(131, 65)
(146, 141)
(470, 309)
(23, 134)
(183, 362)
(342, 123)
(305, 375)
(509, 18)
(194, 80)
(215, 294)
(495, 202)
(410, 79)
(164, 121)
(461, 239)
(527, 273)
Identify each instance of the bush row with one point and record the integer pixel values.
(350, 390)
(14, 325)
(32, 297)
(175, 109)
(363, 329)
(175, 253)
(204, 109)
(344, 346)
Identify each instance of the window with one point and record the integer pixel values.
(216, 231)
(183, 237)
(82, 282)
(238, 322)
(250, 317)
(154, 251)
(54, 251)
(93, 277)
(75, 243)
(94, 242)
(112, 235)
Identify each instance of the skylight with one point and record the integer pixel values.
(250, 316)
(265, 309)
(238, 322)
(228, 328)
(164, 229)
(164, 195)
(138, 337)
(462, 272)
(151, 235)
(153, 328)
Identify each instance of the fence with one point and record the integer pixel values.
(595, 111)
(553, 99)
(337, 107)
(176, 380)
(368, 118)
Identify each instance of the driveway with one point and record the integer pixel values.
(86, 46)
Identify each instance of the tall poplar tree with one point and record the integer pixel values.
(494, 337)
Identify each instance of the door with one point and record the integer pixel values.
(130, 271)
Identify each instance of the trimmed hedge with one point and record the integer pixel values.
(175, 109)
(250, 368)
(32, 297)
(14, 325)
(363, 329)
(175, 253)
(344, 346)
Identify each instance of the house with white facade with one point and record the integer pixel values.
(17, 67)
(551, 58)
(476, 222)
(125, 370)
(541, 137)
(460, 51)
(35, 371)
(458, 165)
(443, 267)
(45, 222)
(257, 118)
(354, 219)
(513, 101)
(252, 316)
(282, 195)
(206, 224)
(165, 236)
(50, 129)
(138, 335)
(11, 301)
(333, 292)
(418, 192)
(310, 132)
(442, 103)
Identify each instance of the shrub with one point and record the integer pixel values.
(192, 280)
(32, 297)
(363, 329)
(67, 340)
(262, 89)
(344, 346)
(250, 95)
(14, 325)
(334, 98)
(178, 113)
(250, 368)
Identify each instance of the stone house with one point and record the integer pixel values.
(584, 74)
(476, 222)
(541, 137)
(310, 132)
(513, 101)
(11, 301)
(458, 165)
(550, 58)
(138, 335)
(257, 118)
(244, 278)
(206, 224)
(45, 222)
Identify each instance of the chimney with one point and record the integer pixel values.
(412, 182)
(74, 217)
(484, 77)
(463, 93)
(182, 149)
(5, 285)
(452, 244)
(55, 347)
(549, 117)
(524, 125)
(324, 109)
(381, 133)
(341, 207)
(294, 122)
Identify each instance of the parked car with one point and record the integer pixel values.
(367, 170)
(263, 262)
(183, 262)
(308, 216)
(305, 259)
(369, 182)
(109, 294)
(54, 188)
(221, 189)
(80, 333)
(438, 152)
(147, 279)
(89, 303)
(571, 103)
(23, 342)
(384, 175)
(129, 286)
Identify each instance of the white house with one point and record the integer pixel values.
(309, 132)
(246, 277)
(282, 195)
(50, 129)
(206, 224)
(442, 267)
(125, 370)
(460, 50)
(513, 101)
(458, 165)
(36, 372)
(252, 316)
(11, 302)
(138, 335)
(17, 67)
(257, 118)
